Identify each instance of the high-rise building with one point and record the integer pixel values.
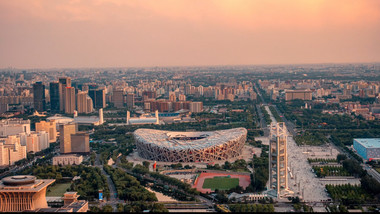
(63, 83)
(39, 96)
(82, 102)
(118, 98)
(98, 97)
(182, 97)
(90, 105)
(172, 97)
(101, 120)
(80, 142)
(278, 158)
(130, 100)
(196, 107)
(32, 143)
(11, 150)
(49, 127)
(69, 100)
(23, 192)
(66, 131)
(54, 97)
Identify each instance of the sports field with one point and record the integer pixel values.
(223, 180)
(58, 189)
(221, 183)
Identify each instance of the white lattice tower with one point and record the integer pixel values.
(278, 158)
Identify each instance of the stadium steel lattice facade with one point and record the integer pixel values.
(168, 146)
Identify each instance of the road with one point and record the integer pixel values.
(289, 125)
(113, 200)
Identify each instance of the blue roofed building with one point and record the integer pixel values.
(367, 148)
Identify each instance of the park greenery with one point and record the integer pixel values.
(128, 187)
(275, 114)
(239, 165)
(311, 138)
(252, 208)
(323, 171)
(162, 183)
(322, 160)
(260, 176)
(348, 194)
(88, 186)
(266, 115)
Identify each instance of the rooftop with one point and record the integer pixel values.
(369, 142)
(188, 140)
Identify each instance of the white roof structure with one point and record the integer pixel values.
(188, 140)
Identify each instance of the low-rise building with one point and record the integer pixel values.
(367, 148)
(70, 159)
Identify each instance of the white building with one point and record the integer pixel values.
(70, 159)
(35, 141)
(14, 126)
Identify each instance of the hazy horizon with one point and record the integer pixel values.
(115, 33)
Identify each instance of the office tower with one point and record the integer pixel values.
(98, 97)
(66, 131)
(54, 97)
(49, 127)
(196, 107)
(63, 83)
(69, 100)
(39, 96)
(43, 140)
(101, 121)
(278, 158)
(200, 90)
(118, 98)
(80, 142)
(82, 102)
(23, 192)
(32, 144)
(90, 105)
(130, 100)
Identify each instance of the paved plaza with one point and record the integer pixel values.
(304, 182)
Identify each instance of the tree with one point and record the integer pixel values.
(146, 164)
(107, 208)
(341, 157)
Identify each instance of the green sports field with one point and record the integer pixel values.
(221, 183)
(58, 189)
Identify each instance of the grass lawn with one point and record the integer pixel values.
(58, 189)
(377, 169)
(221, 183)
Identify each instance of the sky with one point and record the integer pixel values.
(130, 33)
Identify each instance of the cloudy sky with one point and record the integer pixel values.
(122, 33)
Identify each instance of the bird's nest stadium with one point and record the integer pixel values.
(169, 146)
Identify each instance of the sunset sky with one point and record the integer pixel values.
(124, 33)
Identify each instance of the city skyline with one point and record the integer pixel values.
(77, 34)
